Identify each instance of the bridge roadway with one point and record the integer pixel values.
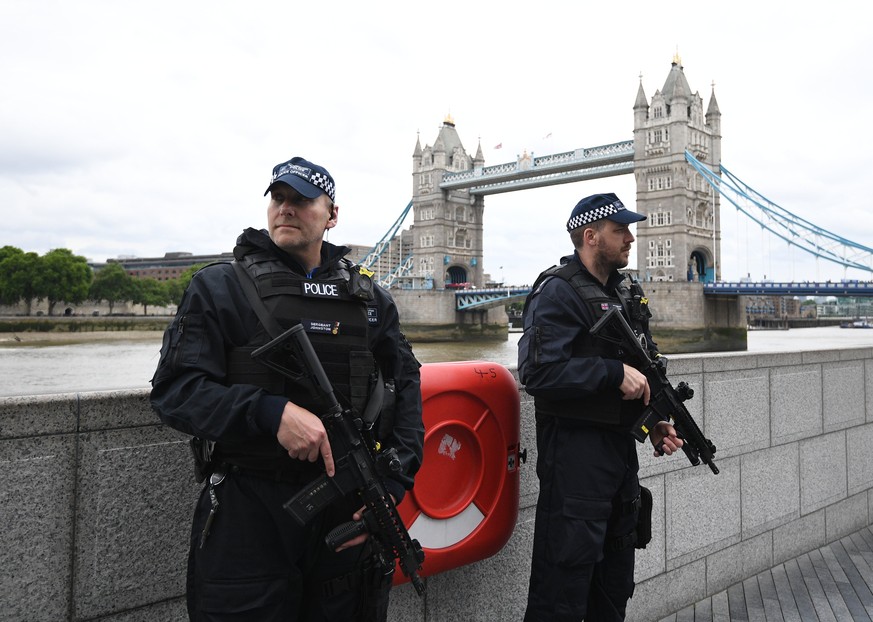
(488, 297)
(466, 299)
(806, 288)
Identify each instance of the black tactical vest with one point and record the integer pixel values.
(606, 408)
(336, 322)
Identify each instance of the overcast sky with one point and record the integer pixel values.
(142, 128)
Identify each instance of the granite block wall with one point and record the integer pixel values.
(97, 497)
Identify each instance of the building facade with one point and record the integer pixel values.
(170, 266)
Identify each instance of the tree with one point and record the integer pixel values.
(112, 284)
(176, 287)
(63, 276)
(9, 251)
(19, 277)
(150, 292)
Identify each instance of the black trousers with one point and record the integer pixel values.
(583, 556)
(257, 563)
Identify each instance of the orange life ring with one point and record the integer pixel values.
(464, 505)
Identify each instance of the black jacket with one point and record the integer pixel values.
(569, 372)
(190, 392)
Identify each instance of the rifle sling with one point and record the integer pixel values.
(248, 286)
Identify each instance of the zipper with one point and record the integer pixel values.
(537, 345)
(176, 346)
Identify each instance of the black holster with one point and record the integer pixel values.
(644, 519)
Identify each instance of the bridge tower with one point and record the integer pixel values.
(681, 239)
(446, 232)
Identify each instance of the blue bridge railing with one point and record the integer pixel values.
(807, 288)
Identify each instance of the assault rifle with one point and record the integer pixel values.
(359, 468)
(665, 402)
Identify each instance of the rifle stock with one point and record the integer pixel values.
(359, 468)
(666, 402)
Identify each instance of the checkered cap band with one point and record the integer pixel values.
(324, 182)
(319, 180)
(595, 214)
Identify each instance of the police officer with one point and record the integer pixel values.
(586, 400)
(256, 438)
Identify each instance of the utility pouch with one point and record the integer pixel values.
(386, 418)
(644, 519)
(375, 595)
(202, 452)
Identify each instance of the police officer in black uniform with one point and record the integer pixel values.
(257, 442)
(586, 400)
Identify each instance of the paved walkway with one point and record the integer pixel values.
(833, 584)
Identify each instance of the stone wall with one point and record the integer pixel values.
(430, 315)
(97, 497)
(684, 320)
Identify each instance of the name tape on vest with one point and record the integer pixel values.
(320, 326)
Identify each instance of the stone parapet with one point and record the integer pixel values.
(97, 496)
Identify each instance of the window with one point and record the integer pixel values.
(660, 254)
(425, 267)
(661, 219)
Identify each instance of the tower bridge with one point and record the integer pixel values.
(435, 267)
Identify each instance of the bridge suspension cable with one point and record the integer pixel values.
(795, 230)
(403, 269)
(376, 252)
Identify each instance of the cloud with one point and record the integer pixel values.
(142, 129)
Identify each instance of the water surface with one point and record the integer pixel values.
(116, 365)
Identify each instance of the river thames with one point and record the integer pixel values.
(120, 364)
